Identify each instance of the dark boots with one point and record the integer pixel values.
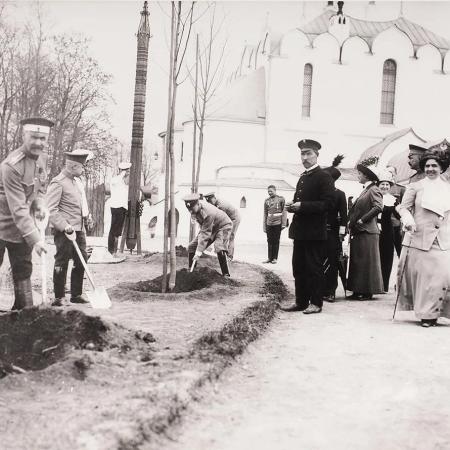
(23, 294)
(223, 261)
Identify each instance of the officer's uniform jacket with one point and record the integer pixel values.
(229, 210)
(416, 177)
(315, 191)
(22, 186)
(65, 202)
(211, 221)
(274, 212)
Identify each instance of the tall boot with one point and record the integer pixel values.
(223, 261)
(270, 252)
(116, 244)
(59, 281)
(23, 294)
(275, 248)
(76, 282)
(191, 259)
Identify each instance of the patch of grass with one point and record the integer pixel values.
(235, 336)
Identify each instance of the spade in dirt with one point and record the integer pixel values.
(98, 298)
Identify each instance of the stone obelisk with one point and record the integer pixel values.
(132, 229)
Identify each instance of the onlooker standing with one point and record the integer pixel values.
(22, 185)
(119, 205)
(364, 276)
(415, 153)
(423, 273)
(231, 212)
(313, 199)
(274, 220)
(386, 242)
(69, 213)
(397, 191)
(336, 231)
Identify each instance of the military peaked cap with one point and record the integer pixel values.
(191, 199)
(309, 144)
(38, 124)
(124, 165)
(417, 149)
(80, 156)
(209, 195)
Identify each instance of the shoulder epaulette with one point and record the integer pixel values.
(58, 177)
(14, 159)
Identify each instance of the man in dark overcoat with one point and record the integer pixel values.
(336, 231)
(313, 198)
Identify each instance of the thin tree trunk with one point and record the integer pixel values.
(173, 256)
(167, 151)
(194, 144)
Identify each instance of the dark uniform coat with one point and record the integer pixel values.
(315, 191)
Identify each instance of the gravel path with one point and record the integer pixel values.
(348, 378)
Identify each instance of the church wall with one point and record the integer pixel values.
(225, 143)
(346, 97)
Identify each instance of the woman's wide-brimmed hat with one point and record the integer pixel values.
(369, 168)
(385, 175)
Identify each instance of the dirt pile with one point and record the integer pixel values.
(186, 281)
(34, 339)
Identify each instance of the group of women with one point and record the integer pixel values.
(423, 278)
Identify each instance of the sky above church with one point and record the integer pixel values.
(112, 25)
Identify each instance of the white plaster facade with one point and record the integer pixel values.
(251, 140)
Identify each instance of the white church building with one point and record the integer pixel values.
(355, 85)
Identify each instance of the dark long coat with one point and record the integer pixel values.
(364, 276)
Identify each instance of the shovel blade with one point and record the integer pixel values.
(99, 298)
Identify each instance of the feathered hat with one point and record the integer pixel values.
(332, 170)
(369, 168)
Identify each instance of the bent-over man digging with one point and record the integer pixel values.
(215, 227)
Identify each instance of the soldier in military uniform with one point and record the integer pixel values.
(274, 220)
(231, 212)
(69, 213)
(313, 198)
(215, 227)
(415, 153)
(22, 187)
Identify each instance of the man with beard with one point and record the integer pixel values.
(415, 153)
(313, 198)
(22, 186)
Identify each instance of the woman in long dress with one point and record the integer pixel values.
(364, 277)
(424, 267)
(387, 240)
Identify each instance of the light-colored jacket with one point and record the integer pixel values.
(429, 225)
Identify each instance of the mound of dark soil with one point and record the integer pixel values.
(201, 278)
(34, 339)
(180, 250)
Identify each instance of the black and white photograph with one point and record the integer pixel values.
(224, 225)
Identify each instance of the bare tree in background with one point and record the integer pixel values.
(211, 69)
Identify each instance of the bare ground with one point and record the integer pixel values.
(348, 378)
(120, 396)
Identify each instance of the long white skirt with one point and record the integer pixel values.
(423, 281)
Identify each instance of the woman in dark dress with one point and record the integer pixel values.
(386, 227)
(364, 275)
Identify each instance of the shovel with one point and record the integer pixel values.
(98, 298)
(41, 226)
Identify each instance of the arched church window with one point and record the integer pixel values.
(307, 87)
(388, 92)
(243, 202)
